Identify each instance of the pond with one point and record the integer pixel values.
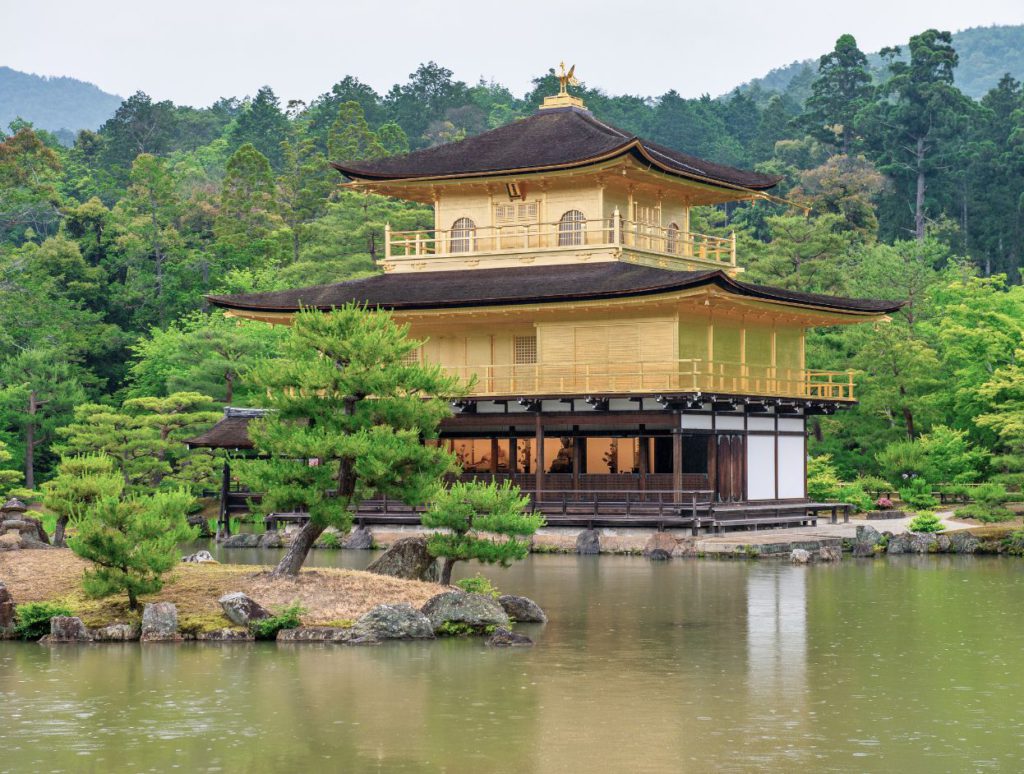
(907, 664)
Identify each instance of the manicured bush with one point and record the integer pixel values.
(874, 484)
(823, 482)
(917, 494)
(856, 496)
(902, 461)
(989, 494)
(32, 619)
(925, 521)
(883, 504)
(987, 514)
(287, 618)
(478, 584)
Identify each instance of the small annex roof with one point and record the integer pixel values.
(528, 285)
(232, 432)
(562, 138)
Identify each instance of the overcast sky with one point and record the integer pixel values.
(194, 51)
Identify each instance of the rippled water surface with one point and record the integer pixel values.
(911, 665)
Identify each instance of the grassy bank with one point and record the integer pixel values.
(329, 595)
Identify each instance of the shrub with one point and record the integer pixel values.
(950, 457)
(873, 484)
(960, 492)
(286, 618)
(989, 494)
(902, 461)
(459, 629)
(478, 584)
(32, 619)
(884, 504)
(132, 542)
(987, 514)
(918, 495)
(822, 481)
(926, 521)
(856, 496)
(329, 540)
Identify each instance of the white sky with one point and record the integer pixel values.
(193, 51)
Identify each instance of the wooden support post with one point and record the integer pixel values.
(677, 458)
(387, 240)
(513, 455)
(643, 464)
(494, 457)
(539, 457)
(225, 494)
(577, 454)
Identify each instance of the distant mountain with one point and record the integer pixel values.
(53, 103)
(986, 54)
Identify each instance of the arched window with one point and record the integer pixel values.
(463, 236)
(570, 228)
(672, 239)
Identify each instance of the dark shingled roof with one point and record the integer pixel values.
(526, 285)
(232, 432)
(550, 139)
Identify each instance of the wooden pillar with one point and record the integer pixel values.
(513, 455)
(644, 463)
(577, 459)
(494, 456)
(677, 458)
(225, 493)
(539, 458)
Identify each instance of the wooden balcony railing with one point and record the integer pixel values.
(560, 235)
(689, 375)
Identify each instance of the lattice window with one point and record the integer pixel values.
(672, 238)
(463, 235)
(524, 212)
(524, 350)
(570, 228)
(648, 216)
(412, 357)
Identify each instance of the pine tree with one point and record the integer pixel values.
(351, 138)
(262, 124)
(348, 417)
(248, 209)
(841, 91)
(482, 521)
(80, 481)
(132, 542)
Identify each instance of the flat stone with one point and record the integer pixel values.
(242, 609)
(800, 556)
(475, 610)
(660, 546)
(200, 557)
(338, 634)
(503, 638)
(394, 622)
(242, 540)
(923, 543)
(864, 550)
(522, 609)
(963, 542)
(117, 633)
(868, 534)
(66, 628)
(160, 622)
(406, 558)
(226, 635)
(359, 539)
(588, 542)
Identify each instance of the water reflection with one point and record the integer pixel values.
(777, 631)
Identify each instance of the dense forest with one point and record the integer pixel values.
(906, 188)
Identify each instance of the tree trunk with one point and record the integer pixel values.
(229, 379)
(446, 571)
(919, 198)
(30, 442)
(58, 532)
(295, 243)
(294, 558)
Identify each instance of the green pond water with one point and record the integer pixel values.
(902, 665)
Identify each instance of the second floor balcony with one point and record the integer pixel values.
(647, 377)
(572, 232)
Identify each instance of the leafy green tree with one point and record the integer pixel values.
(140, 126)
(132, 542)
(482, 521)
(809, 254)
(303, 187)
(80, 481)
(842, 89)
(248, 209)
(345, 396)
(28, 187)
(351, 138)
(950, 457)
(262, 124)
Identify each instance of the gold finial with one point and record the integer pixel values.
(564, 98)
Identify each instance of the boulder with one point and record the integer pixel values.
(923, 543)
(241, 609)
(864, 549)
(242, 540)
(359, 539)
(406, 558)
(588, 542)
(272, 539)
(66, 628)
(10, 541)
(198, 520)
(522, 609)
(160, 622)
(319, 634)
(457, 607)
(200, 557)
(394, 622)
(868, 535)
(116, 633)
(503, 638)
(944, 542)
(660, 546)
(899, 544)
(226, 635)
(830, 554)
(963, 542)
(800, 556)
(6, 610)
